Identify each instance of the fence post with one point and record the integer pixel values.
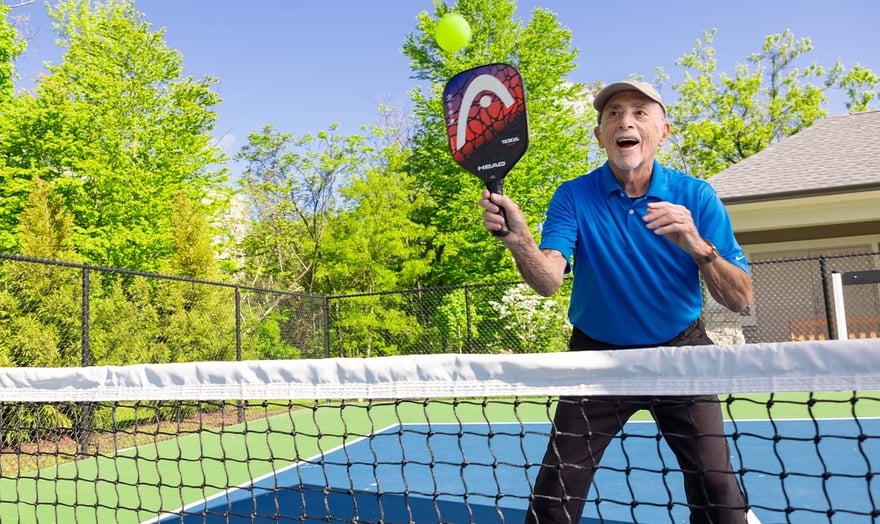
(326, 308)
(241, 402)
(86, 408)
(467, 309)
(238, 323)
(826, 298)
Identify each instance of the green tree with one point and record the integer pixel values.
(372, 243)
(560, 117)
(45, 226)
(117, 132)
(124, 324)
(292, 189)
(145, 319)
(453, 320)
(41, 304)
(861, 88)
(720, 119)
(373, 325)
(197, 320)
(191, 240)
(269, 342)
(11, 46)
(291, 185)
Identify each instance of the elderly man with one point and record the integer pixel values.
(637, 236)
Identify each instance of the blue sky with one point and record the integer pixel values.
(303, 64)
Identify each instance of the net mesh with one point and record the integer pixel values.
(431, 438)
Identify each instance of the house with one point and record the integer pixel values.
(813, 199)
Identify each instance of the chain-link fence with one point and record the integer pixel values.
(793, 297)
(64, 314)
(485, 318)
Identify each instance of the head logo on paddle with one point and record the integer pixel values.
(486, 121)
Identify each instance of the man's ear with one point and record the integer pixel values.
(664, 133)
(598, 135)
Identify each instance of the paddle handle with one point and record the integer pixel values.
(496, 186)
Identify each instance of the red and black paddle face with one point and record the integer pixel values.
(486, 120)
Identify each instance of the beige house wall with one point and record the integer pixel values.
(806, 212)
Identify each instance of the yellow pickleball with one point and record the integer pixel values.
(452, 32)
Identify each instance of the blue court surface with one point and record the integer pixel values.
(455, 473)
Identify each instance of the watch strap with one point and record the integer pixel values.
(702, 261)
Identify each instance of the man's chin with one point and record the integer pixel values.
(627, 163)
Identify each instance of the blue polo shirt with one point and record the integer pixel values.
(631, 286)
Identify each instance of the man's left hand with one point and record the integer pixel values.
(675, 223)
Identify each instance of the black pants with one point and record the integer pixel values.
(584, 426)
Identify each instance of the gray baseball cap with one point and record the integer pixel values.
(626, 85)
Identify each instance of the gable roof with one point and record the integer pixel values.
(839, 154)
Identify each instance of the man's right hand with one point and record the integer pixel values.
(543, 270)
(493, 221)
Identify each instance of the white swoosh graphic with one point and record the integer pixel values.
(477, 85)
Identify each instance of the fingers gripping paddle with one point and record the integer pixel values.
(487, 124)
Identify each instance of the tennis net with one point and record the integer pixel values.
(429, 438)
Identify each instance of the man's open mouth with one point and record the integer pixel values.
(627, 142)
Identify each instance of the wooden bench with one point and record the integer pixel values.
(817, 328)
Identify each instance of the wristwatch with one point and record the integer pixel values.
(702, 261)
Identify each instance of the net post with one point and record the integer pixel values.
(839, 311)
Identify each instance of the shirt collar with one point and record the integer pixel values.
(658, 188)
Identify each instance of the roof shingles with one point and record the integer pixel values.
(835, 153)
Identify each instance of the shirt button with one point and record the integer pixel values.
(631, 212)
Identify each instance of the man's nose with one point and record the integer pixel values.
(626, 119)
